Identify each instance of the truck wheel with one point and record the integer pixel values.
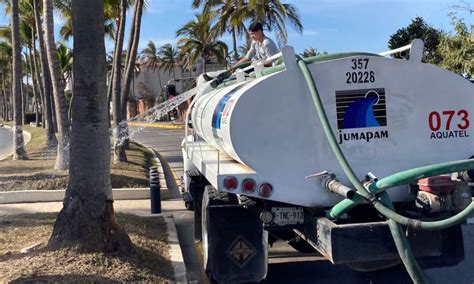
(233, 240)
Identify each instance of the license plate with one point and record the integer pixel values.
(288, 215)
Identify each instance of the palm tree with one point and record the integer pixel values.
(51, 140)
(273, 14)
(62, 157)
(18, 143)
(152, 59)
(169, 58)
(230, 16)
(199, 39)
(87, 220)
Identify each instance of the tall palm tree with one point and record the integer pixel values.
(199, 39)
(273, 14)
(87, 220)
(152, 59)
(230, 16)
(62, 157)
(169, 58)
(18, 142)
(51, 140)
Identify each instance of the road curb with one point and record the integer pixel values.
(30, 196)
(159, 165)
(176, 255)
(26, 136)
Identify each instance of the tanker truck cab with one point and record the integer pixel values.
(326, 153)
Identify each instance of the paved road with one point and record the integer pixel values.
(282, 269)
(6, 142)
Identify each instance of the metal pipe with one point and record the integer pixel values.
(335, 186)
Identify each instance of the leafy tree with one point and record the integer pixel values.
(311, 51)
(458, 49)
(418, 29)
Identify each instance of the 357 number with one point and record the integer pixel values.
(437, 120)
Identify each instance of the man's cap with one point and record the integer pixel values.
(255, 27)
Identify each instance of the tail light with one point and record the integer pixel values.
(265, 190)
(230, 183)
(248, 185)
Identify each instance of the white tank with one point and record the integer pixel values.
(388, 115)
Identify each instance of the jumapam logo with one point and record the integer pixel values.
(362, 108)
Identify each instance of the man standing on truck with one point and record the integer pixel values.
(261, 47)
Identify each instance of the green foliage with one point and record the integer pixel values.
(169, 57)
(199, 39)
(311, 51)
(458, 49)
(419, 29)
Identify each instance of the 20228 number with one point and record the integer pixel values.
(360, 77)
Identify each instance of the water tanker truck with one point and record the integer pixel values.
(361, 158)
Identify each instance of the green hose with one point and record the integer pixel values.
(403, 247)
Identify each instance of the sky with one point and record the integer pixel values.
(328, 25)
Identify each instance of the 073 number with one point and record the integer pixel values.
(435, 119)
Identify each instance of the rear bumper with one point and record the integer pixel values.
(373, 241)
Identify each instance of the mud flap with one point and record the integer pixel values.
(235, 243)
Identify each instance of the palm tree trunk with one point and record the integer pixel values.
(4, 101)
(18, 142)
(62, 157)
(51, 140)
(87, 219)
(119, 149)
(35, 90)
(234, 43)
(129, 73)
(131, 54)
(5, 97)
(39, 82)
